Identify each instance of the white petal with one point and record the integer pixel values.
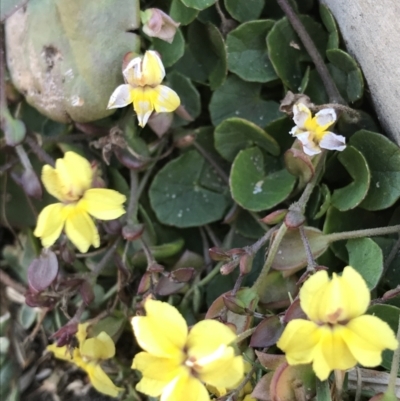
(121, 97)
(326, 117)
(309, 147)
(133, 71)
(332, 141)
(301, 113)
(295, 131)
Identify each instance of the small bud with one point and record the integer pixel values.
(14, 130)
(182, 275)
(157, 24)
(275, 217)
(132, 232)
(160, 123)
(156, 268)
(294, 219)
(42, 271)
(218, 254)
(67, 253)
(246, 263)
(31, 184)
(112, 227)
(229, 267)
(65, 334)
(184, 141)
(391, 294)
(145, 283)
(86, 292)
(128, 159)
(234, 305)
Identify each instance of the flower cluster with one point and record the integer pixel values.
(177, 362)
(71, 183)
(144, 75)
(313, 132)
(338, 334)
(88, 355)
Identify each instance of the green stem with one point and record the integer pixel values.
(131, 213)
(258, 285)
(391, 390)
(369, 232)
(106, 258)
(323, 391)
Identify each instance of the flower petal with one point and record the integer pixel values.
(185, 388)
(50, 224)
(331, 352)
(53, 185)
(152, 68)
(142, 104)
(80, 229)
(100, 381)
(133, 71)
(75, 174)
(121, 97)
(62, 353)
(162, 332)
(309, 146)
(301, 115)
(103, 204)
(299, 340)
(367, 336)
(165, 99)
(82, 332)
(325, 118)
(99, 347)
(157, 372)
(332, 141)
(206, 337)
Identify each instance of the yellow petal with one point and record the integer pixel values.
(367, 336)
(53, 184)
(153, 71)
(162, 332)
(206, 337)
(185, 388)
(142, 104)
(80, 229)
(50, 224)
(100, 347)
(157, 372)
(331, 352)
(62, 352)
(103, 204)
(164, 99)
(75, 174)
(100, 381)
(82, 332)
(341, 298)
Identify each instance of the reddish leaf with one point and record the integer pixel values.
(267, 332)
(43, 271)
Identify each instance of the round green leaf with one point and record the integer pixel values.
(244, 10)
(180, 13)
(235, 134)
(287, 53)
(352, 195)
(383, 158)
(198, 4)
(189, 95)
(346, 73)
(187, 192)
(253, 187)
(330, 25)
(247, 51)
(170, 52)
(366, 257)
(389, 314)
(237, 98)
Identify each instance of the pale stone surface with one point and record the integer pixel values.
(371, 33)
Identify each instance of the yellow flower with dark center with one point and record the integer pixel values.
(177, 363)
(313, 132)
(143, 76)
(338, 334)
(88, 356)
(70, 182)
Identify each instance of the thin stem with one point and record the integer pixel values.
(310, 258)
(247, 378)
(216, 242)
(394, 369)
(258, 285)
(206, 247)
(149, 256)
(253, 249)
(23, 157)
(40, 153)
(106, 258)
(369, 232)
(322, 69)
(131, 212)
(323, 391)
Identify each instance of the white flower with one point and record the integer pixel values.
(313, 132)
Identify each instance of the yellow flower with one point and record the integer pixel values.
(144, 76)
(70, 182)
(338, 334)
(177, 362)
(313, 132)
(88, 356)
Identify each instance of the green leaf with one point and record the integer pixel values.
(170, 52)
(187, 192)
(330, 25)
(247, 226)
(383, 158)
(237, 98)
(244, 11)
(235, 134)
(75, 53)
(189, 66)
(189, 95)
(346, 73)
(255, 187)
(198, 4)
(181, 13)
(247, 51)
(8, 7)
(366, 257)
(352, 195)
(287, 53)
(389, 314)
